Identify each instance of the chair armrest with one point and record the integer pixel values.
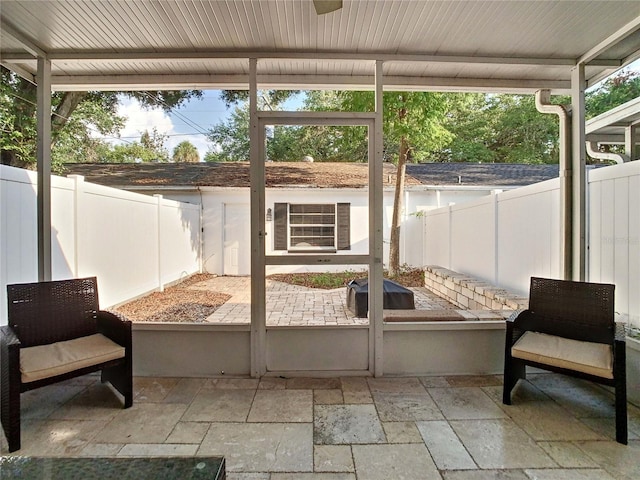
(115, 328)
(514, 331)
(8, 338)
(621, 333)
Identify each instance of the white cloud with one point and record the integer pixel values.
(141, 119)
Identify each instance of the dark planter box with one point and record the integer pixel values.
(394, 297)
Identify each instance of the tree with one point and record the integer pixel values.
(74, 115)
(619, 89)
(414, 124)
(230, 137)
(186, 152)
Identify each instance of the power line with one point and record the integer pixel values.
(179, 115)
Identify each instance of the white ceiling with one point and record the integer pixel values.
(443, 45)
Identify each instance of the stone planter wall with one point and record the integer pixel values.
(470, 293)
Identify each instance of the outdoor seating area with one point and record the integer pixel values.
(569, 328)
(57, 332)
(343, 428)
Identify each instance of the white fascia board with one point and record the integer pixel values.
(610, 41)
(182, 55)
(623, 114)
(310, 82)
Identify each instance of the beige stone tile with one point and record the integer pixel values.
(328, 397)
(232, 383)
(142, 423)
(586, 402)
(445, 447)
(566, 474)
(473, 380)
(158, 450)
(313, 383)
(357, 397)
(282, 406)
(345, 424)
(42, 402)
(261, 447)
(549, 421)
(465, 403)
(400, 462)
(394, 407)
(434, 382)
(97, 402)
(606, 427)
(401, 432)
(332, 458)
(220, 406)
(57, 437)
(188, 432)
(619, 460)
(185, 390)
(272, 383)
(94, 450)
(313, 476)
(567, 455)
(405, 385)
(152, 389)
(485, 475)
(499, 443)
(247, 476)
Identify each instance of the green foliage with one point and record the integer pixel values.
(267, 99)
(76, 117)
(150, 148)
(230, 137)
(500, 129)
(619, 89)
(186, 152)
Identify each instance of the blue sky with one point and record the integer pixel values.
(193, 120)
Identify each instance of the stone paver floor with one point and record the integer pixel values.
(348, 428)
(296, 305)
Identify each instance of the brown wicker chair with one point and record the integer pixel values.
(53, 317)
(569, 328)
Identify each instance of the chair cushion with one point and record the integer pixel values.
(45, 361)
(586, 357)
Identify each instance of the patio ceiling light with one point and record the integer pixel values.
(327, 6)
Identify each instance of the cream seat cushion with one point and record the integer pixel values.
(44, 361)
(586, 357)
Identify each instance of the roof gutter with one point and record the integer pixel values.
(592, 150)
(543, 105)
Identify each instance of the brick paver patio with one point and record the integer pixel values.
(296, 305)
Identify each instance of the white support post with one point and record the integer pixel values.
(578, 164)
(630, 141)
(43, 153)
(376, 273)
(158, 198)
(258, 271)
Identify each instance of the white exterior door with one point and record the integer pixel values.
(236, 239)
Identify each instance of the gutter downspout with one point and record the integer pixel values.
(543, 105)
(592, 150)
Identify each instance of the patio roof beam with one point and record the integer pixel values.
(272, 81)
(186, 55)
(610, 41)
(28, 76)
(28, 44)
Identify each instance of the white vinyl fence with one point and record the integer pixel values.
(508, 237)
(614, 234)
(132, 243)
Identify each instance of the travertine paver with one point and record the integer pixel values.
(296, 305)
(342, 428)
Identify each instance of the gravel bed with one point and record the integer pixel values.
(178, 303)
